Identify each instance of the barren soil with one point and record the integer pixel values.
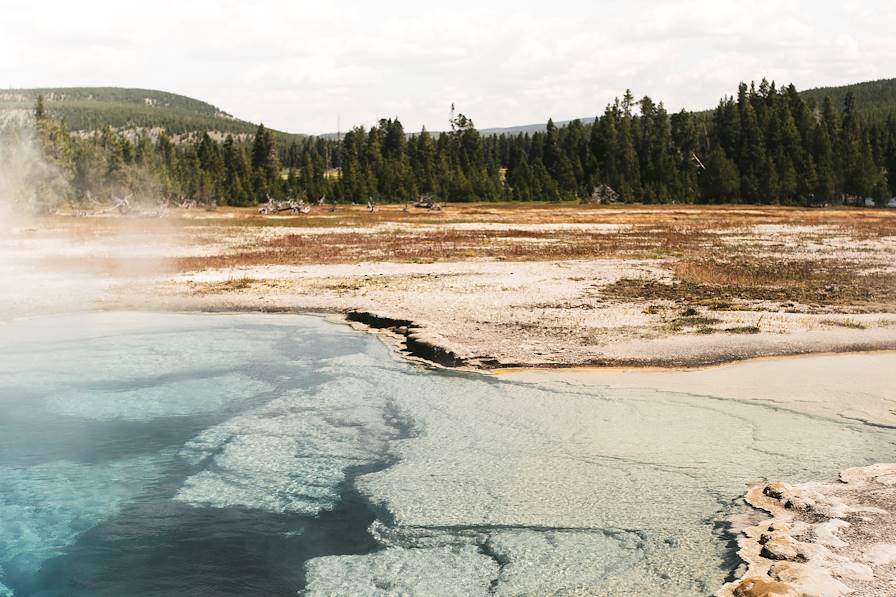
(497, 285)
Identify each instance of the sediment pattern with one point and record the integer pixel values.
(823, 539)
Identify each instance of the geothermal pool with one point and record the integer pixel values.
(251, 454)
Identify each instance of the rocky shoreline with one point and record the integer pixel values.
(419, 341)
(414, 340)
(823, 539)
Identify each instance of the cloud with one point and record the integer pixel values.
(299, 65)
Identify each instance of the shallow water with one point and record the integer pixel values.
(248, 454)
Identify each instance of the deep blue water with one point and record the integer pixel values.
(91, 455)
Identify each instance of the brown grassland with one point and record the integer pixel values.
(813, 256)
(515, 283)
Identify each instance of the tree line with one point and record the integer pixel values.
(762, 145)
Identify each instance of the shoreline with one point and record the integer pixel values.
(686, 368)
(727, 379)
(391, 328)
(427, 350)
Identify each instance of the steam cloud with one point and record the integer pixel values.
(51, 261)
(29, 183)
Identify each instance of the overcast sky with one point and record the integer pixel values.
(298, 65)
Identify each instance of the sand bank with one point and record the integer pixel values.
(857, 387)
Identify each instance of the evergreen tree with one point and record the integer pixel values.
(39, 110)
(265, 166)
(720, 182)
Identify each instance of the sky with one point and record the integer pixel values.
(304, 66)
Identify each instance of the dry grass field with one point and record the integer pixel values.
(503, 284)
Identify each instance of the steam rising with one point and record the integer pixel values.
(29, 183)
(51, 260)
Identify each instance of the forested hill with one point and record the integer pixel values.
(92, 108)
(874, 99)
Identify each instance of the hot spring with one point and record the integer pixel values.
(269, 454)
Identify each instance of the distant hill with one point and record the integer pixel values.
(874, 99)
(91, 108)
(530, 128)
